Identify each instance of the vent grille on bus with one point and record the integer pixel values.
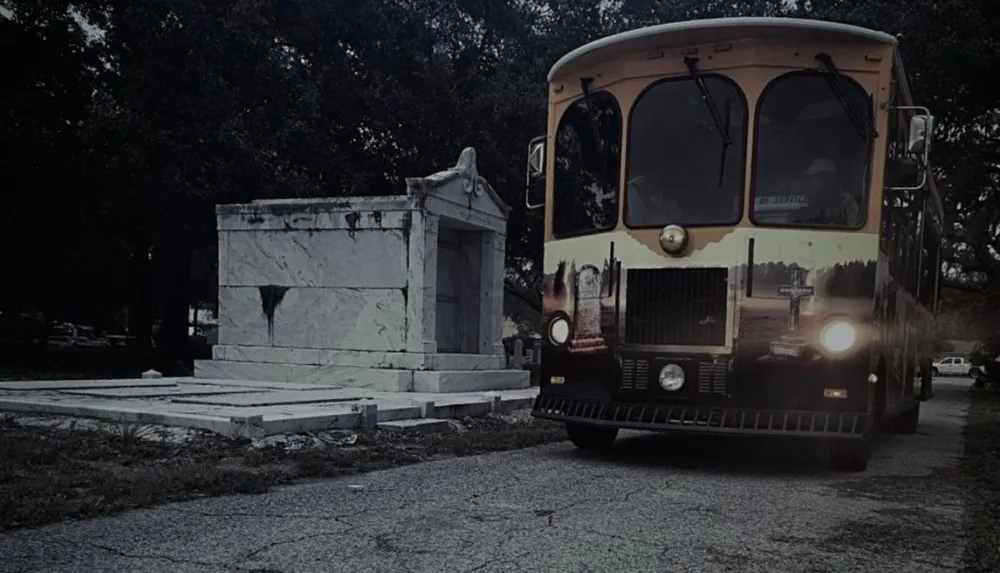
(676, 306)
(712, 376)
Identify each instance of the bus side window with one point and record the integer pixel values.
(915, 202)
(587, 163)
(900, 211)
(885, 234)
(929, 265)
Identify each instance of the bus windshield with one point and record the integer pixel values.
(679, 168)
(811, 166)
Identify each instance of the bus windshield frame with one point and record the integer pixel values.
(678, 169)
(811, 165)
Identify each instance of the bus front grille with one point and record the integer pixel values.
(676, 306)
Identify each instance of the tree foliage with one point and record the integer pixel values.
(135, 118)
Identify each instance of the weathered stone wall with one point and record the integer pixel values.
(323, 275)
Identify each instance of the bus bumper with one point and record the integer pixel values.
(712, 420)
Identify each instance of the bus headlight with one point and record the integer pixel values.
(671, 377)
(559, 331)
(838, 336)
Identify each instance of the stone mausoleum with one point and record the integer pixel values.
(394, 293)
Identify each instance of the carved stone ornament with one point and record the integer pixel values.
(470, 171)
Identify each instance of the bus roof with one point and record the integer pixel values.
(709, 31)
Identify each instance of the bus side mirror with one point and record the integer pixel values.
(534, 187)
(918, 146)
(921, 134)
(536, 157)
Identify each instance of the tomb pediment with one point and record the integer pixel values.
(458, 193)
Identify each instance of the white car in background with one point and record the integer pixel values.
(954, 366)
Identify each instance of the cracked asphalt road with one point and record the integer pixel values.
(659, 504)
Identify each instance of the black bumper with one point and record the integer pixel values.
(703, 419)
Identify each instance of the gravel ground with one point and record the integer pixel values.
(658, 504)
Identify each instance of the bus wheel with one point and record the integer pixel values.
(591, 438)
(853, 456)
(908, 422)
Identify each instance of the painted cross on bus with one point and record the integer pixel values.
(795, 293)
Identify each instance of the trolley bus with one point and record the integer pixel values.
(741, 235)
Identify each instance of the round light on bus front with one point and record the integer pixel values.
(671, 377)
(838, 336)
(559, 331)
(673, 239)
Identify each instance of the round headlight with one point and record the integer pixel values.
(671, 377)
(559, 331)
(673, 239)
(838, 336)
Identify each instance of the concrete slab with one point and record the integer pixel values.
(263, 385)
(276, 397)
(457, 405)
(245, 408)
(462, 399)
(341, 420)
(165, 392)
(110, 412)
(424, 425)
(472, 408)
(275, 413)
(50, 385)
(388, 412)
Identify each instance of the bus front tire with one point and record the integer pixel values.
(591, 438)
(852, 456)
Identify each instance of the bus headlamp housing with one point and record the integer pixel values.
(838, 336)
(559, 330)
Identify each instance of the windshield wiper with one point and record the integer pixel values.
(706, 96)
(861, 120)
(595, 126)
(725, 146)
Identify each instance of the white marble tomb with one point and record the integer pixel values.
(394, 293)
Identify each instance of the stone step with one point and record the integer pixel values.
(434, 381)
(330, 376)
(357, 358)
(449, 381)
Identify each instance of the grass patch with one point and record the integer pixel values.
(49, 475)
(981, 465)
